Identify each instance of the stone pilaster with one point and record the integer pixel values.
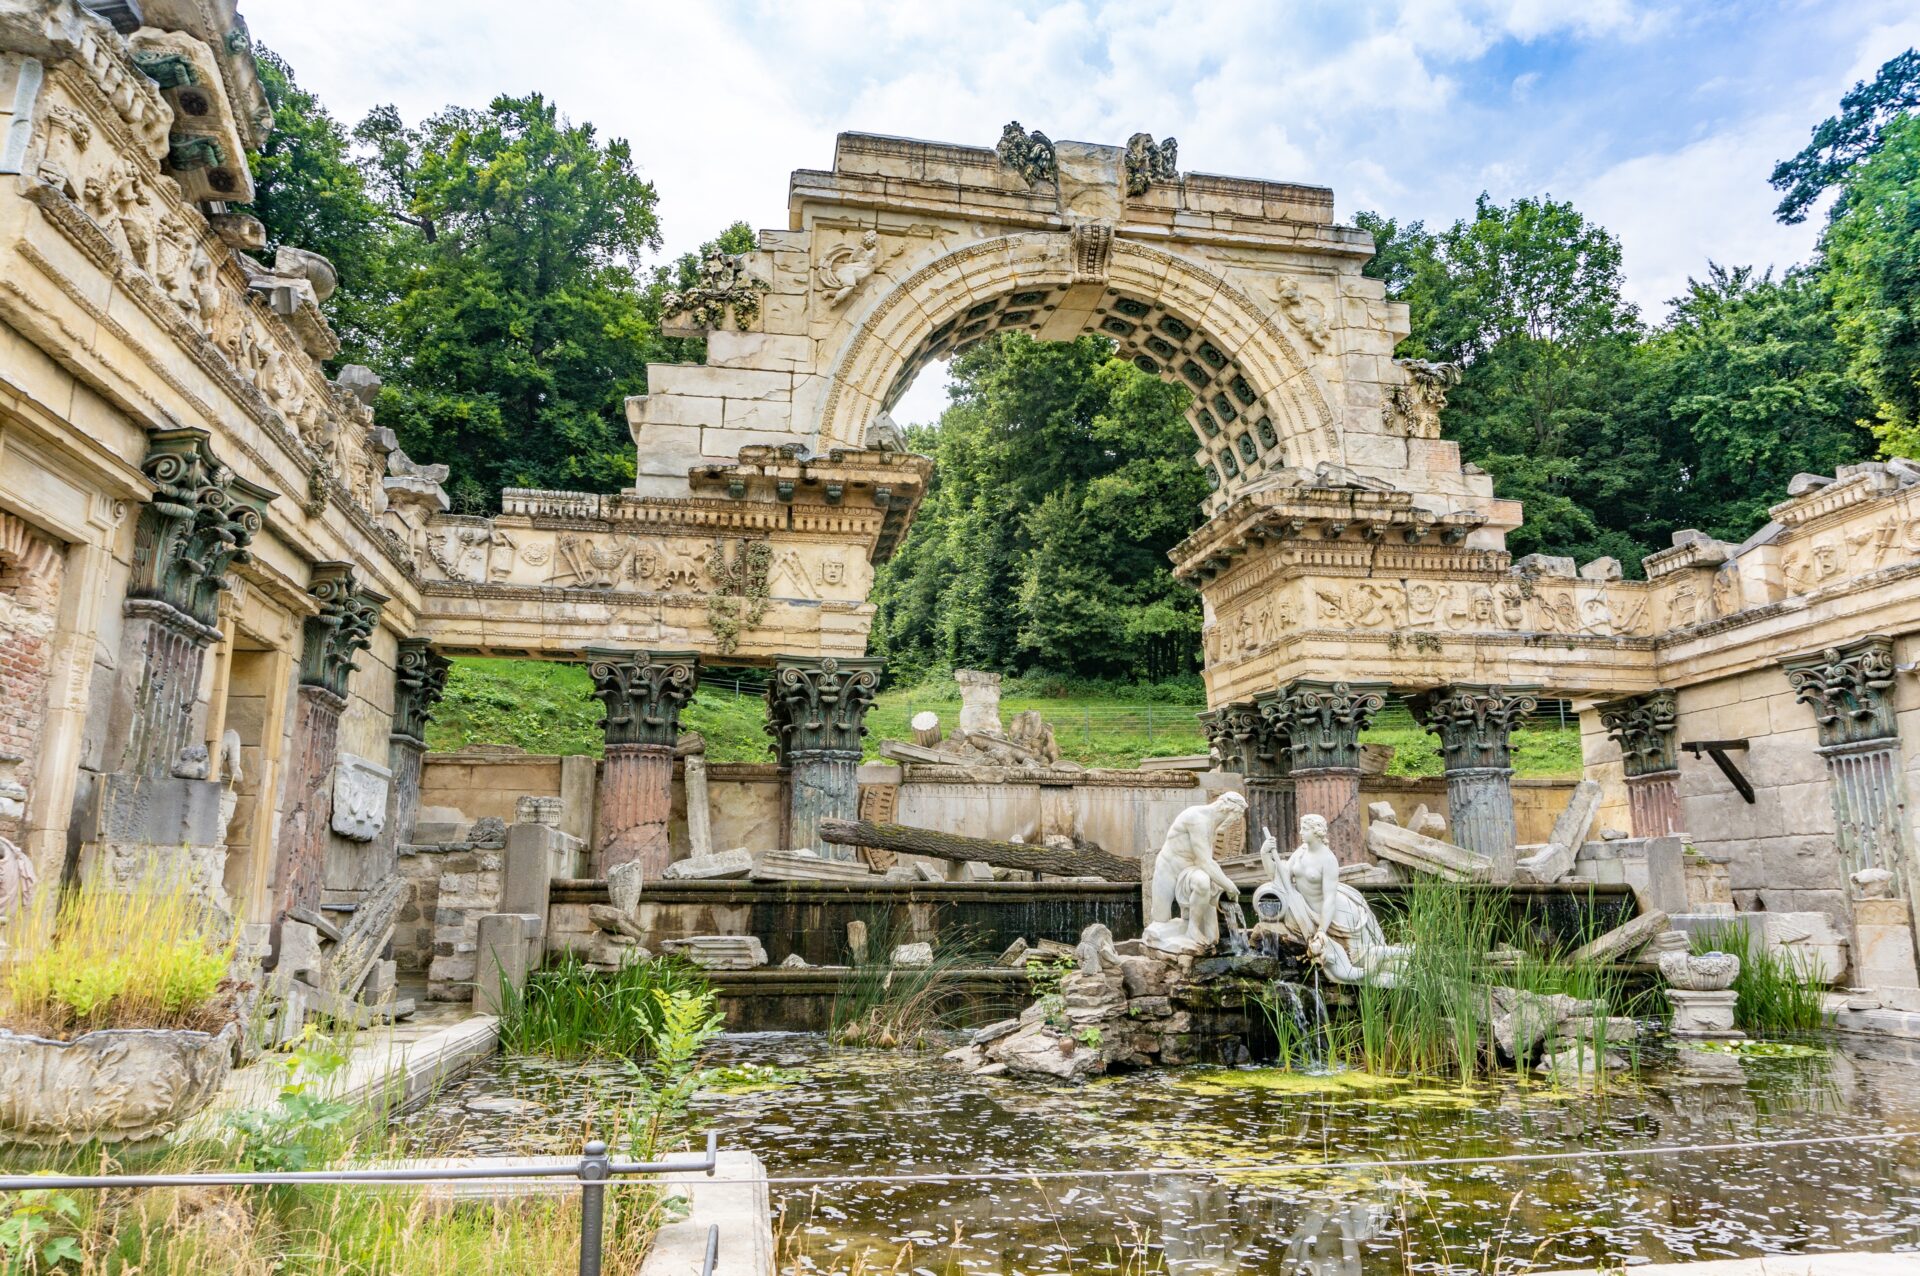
(1645, 727)
(330, 639)
(1850, 690)
(643, 693)
(419, 680)
(1322, 722)
(189, 535)
(1475, 725)
(816, 714)
(1250, 744)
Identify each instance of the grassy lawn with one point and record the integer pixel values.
(549, 708)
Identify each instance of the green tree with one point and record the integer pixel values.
(520, 328)
(1841, 142)
(1063, 476)
(1526, 298)
(309, 193)
(1755, 388)
(1871, 253)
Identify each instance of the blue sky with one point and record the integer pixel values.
(1659, 120)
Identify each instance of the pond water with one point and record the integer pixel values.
(841, 1111)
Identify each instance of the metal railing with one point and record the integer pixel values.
(594, 1170)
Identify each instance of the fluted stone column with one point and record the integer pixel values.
(1322, 722)
(329, 641)
(816, 714)
(419, 680)
(643, 693)
(1475, 725)
(1850, 689)
(1644, 728)
(1253, 746)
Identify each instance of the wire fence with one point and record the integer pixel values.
(595, 1169)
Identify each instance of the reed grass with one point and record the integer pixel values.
(569, 1011)
(147, 956)
(890, 1007)
(1779, 990)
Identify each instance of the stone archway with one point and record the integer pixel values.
(1257, 405)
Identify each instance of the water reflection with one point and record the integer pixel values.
(879, 1113)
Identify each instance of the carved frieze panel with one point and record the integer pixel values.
(360, 798)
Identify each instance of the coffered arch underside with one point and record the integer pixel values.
(1257, 403)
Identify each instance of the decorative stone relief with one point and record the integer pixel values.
(820, 705)
(360, 798)
(1413, 407)
(1304, 312)
(198, 523)
(1090, 242)
(1848, 688)
(1028, 154)
(726, 290)
(342, 630)
(1245, 739)
(1644, 728)
(643, 693)
(846, 267)
(1323, 720)
(1148, 161)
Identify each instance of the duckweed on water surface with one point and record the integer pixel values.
(849, 1112)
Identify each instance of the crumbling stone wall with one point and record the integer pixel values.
(31, 570)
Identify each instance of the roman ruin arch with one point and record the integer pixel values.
(1259, 407)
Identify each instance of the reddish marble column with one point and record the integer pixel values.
(643, 692)
(1334, 794)
(634, 804)
(1653, 803)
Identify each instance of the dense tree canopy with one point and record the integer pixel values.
(490, 271)
(1063, 476)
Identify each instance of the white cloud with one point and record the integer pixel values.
(1408, 106)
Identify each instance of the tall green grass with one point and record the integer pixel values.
(568, 1011)
(891, 1007)
(1780, 991)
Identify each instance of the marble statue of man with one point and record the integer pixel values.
(1185, 874)
(1324, 913)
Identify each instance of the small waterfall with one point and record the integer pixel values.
(1298, 1014)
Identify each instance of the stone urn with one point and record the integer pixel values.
(1700, 972)
(114, 1085)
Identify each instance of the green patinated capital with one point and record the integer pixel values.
(819, 704)
(419, 680)
(1474, 722)
(643, 692)
(1322, 721)
(342, 629)
(1246, 740)
(1644, 727)
(195, 527)
(1850, 689)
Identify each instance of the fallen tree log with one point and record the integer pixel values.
(1081, 861)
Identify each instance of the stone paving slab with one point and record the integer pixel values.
(397, 1065)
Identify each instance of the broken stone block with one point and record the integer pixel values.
(1623, 941)
(913, 955)
(1016, 955)
(1563, 843)
(719, 952)
(796, 866)
(1427, 854)
(718, 866)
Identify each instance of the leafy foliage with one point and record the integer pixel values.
(1842, 141)
(304, 1125)
(677, 1026)
(1064, 475)
(1872, 256)
(38, 1232)
(568, 1011)
(519, 329)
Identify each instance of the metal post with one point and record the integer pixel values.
(595, 1168)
